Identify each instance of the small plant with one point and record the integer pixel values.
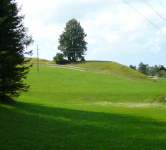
(159, 98)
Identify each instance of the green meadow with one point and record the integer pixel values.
(76, 110)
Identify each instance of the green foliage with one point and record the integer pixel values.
(161, 73)
(59, 59)
(2, 19)
(133, 67)
(143, 68)
(151, 70)
(72, 40)
(13, 41)
(159, 98)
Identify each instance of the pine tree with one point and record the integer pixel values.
(13, 43)
(72, 40)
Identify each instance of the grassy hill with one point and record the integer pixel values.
(112, 68)
(42, 62)
(87, 85)
(104, 67)
(73, 110)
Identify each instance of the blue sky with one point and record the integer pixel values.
(115, 32)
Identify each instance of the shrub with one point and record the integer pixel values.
(59, 59)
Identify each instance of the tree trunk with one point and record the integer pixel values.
(69, 58)
(74, 56)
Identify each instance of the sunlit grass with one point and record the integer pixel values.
(42, 62)
(104, 67)
(69, 109)
(111, 68)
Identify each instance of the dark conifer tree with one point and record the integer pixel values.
(13, 43)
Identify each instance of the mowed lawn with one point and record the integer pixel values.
(75, 110)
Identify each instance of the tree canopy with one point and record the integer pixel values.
(72, 40)
(13, 43)
(59, 59)
(133, 67)
(149, 70)
(143, 68)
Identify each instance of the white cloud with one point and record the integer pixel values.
(113, 28)
(41, 50)
(155, 50)
(111, 38)
(164, 29)
(130, 39)
(33, 6)
(47, 45)
(91, 41)
(157, 41)
(42, 55)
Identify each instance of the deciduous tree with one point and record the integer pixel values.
(133, 67)
(72, 40)
(59, 59)
(143, 68)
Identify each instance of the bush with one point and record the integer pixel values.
(59, 59)
(59, 56)
(63, 61)
(159, 98)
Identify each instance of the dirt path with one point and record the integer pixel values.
(69, 67)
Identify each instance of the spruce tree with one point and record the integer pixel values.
(13, 43)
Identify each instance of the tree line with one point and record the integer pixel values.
(149, 70)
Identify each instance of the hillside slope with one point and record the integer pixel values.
(112, 68)
(42, 62)
(104, 67)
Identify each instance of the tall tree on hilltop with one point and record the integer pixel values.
(72, 40)
(13, 43)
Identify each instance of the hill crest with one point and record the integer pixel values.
(104, 67)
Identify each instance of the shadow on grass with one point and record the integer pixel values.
(30, 126)
(8, 101)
